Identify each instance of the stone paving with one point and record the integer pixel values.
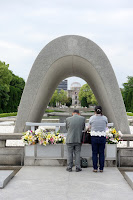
(55, 183)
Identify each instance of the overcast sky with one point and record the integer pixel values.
(26, 26)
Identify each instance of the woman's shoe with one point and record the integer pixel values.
(101, 170)
(94, 170)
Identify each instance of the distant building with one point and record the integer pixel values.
(62, 85)
(73, 93)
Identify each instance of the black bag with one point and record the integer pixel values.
(83, 163)
(86, 137)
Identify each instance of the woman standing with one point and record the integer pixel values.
(97, 125)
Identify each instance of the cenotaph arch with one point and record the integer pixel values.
(64, 57)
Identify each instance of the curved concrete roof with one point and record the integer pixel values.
(71, 56)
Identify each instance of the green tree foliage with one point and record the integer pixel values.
(84, 102)
(86, 96)
(54, 99)
(127, 93)
(5, 79)
(69, 101)
(16, 89)
(63, 97)
(11, 88)
(59, 98)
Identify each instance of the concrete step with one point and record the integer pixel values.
(11, 156)
(30, 161)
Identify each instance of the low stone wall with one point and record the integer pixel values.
(125, 157)
(10, 156)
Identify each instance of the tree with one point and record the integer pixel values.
(62, 97)
(69, 101)
(54, 99)
(93, 100)
(5, 76)
(58, 98)
(84, 102)
(127, 93)
(16, 89)
(5, 79)
(86, 96)
(11, 88)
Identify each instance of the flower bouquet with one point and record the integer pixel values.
(43, 137)
(29, 138)
(112, 136)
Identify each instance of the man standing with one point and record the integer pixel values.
(74, 125)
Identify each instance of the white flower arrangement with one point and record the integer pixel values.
(42, 137)
(112, 136)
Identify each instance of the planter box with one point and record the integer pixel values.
(111, 151)
(50, 155)
(57, 154)
(40, 151)
(54, 151)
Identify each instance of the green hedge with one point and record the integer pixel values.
(49, 111)
(130, 114)
(8, 114)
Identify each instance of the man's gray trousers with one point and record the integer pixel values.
(76, 149)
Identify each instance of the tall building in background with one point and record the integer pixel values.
(62, 85)
(73, 93)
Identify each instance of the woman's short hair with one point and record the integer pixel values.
(98, 110)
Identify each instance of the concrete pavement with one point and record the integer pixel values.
(55, 183)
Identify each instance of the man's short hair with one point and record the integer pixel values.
(76, 111)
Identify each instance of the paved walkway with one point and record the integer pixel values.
(55, 183)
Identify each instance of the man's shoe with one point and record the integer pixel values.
(78, 169)
(69, 169)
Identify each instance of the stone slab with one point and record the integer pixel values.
(10, 136)
(11, 150)
(15, 160)
(50, 183)
(5, 177)
(29, 150)
(2, 143)
(50, 151)
(111, 151)
(129, 178)
(126, 161)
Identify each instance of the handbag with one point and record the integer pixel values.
(86, 137)
(83, 163)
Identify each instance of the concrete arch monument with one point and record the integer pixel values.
(71, 56)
